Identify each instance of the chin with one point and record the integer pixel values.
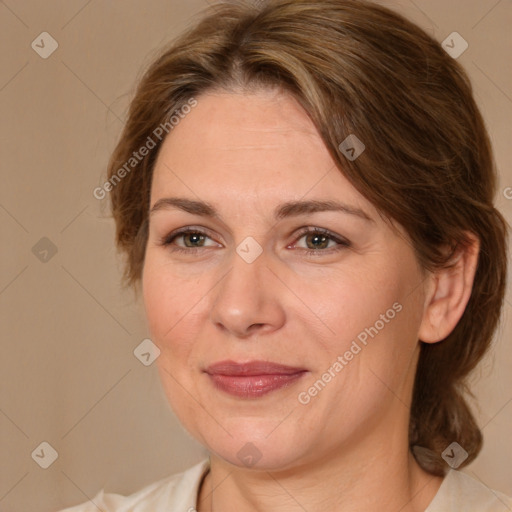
(255, 444)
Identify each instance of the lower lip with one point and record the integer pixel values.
(253, 386)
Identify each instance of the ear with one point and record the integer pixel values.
(449, 292)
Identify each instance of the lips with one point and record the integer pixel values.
(253, 379)
(251, 368)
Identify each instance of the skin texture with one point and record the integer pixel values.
(347, 448)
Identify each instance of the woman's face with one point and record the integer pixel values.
(340, 309)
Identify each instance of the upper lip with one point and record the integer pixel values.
(251, 368)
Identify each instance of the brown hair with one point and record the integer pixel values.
(356, 68)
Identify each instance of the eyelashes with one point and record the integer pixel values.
(321, 235)
(322, 238)
(168, 240)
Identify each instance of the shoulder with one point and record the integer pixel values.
(177, 492)
(464, 493)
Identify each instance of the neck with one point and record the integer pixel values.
(389, 480)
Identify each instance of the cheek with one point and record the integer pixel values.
(388, 343)
(358, 301)
(375, 318)
(169, 301)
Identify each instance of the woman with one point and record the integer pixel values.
(304, 191)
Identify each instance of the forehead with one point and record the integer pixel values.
(234, 146)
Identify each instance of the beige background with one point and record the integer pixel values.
(69, 375)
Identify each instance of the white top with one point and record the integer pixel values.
(178, 493)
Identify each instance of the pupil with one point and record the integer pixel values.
(318, 241)
(194, 238)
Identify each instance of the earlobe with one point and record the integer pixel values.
(449, 293)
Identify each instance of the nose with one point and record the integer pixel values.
(248, 299)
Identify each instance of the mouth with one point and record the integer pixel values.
(253, 379)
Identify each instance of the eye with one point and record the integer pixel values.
(192, 239)
(320, 240)
(317, 241)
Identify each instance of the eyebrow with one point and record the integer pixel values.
(282, 211)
